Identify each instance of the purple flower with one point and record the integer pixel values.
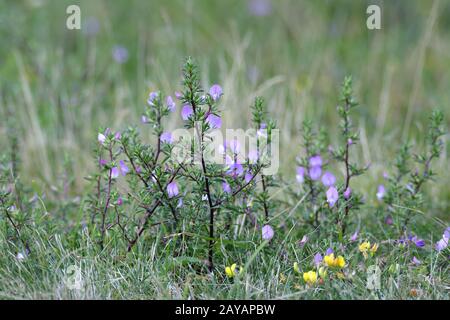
(228, 160)
(214, 121)
(267, 232)
(120, 54)
(236, 169)
(329, 251)
(187, 112)
(119, 201)
(315, 161)
(172, 189)
(442, 244)
(115, 172)
(262, 132)
(180, 203)
(166, 137)
(315, 173)
(253, 156)
(388, 220)
(302, 242)
(260, 8)
(415, 261)
(300, 174)
(144, 119)
(328, 179)
(102, 162)
(234, 146)
(446, 234)
(248, 177)
(381, 192)
(215, 91)
(332, 196)
(317, 259)
(354, 236)
(101, 138)
(170, 104)
(123, 168)
(151, 98)
(418, 242)
(347, 193)
(349, 141)
(226, 187)
(118, 135)
(178, 95)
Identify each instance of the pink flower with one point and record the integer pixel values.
(101, 138)
(315, 161)
(415, 261)
(354, 236)
(172, 189)
(187, 112)
(214, 121)
(234, 146)
(300, 174)
(248, 177)
(267, 232)
(123, 168)
(328, 179)
(315, 173)
(347, 193)
(166, 137)
(236, 169)
(226, 187)
(302, 242)
(215, 91)
(170, 104)
(381, 192)
(115, 173)
(253, 156)
(332, 196)
(151, 98)
(317, 259)
(178, 95)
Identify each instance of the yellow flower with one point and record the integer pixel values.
(363, 247)
(340, 262)
(233, 271)
(322, 272)
(296, 268)
(374, 249)
(310, 277)
(329, 260)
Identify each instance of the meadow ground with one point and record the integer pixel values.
(59, 86)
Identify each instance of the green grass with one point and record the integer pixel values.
(60, 86)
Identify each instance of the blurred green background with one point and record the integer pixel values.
(61, 85)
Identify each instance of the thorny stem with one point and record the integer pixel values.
(206, 179)
(15, 227)
(125, 150)
(149, 212)
(108, 199)
(347, 167)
